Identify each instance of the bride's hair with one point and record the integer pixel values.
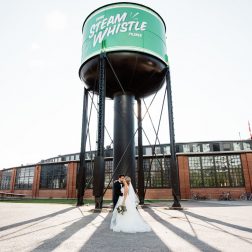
(128, 180)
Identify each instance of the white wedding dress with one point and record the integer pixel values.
(130, 221)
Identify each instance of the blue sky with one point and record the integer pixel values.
(209, 47)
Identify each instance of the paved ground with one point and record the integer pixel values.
(201, 226)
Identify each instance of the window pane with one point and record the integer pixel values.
(53, 176)
(157, 150)
(222, 173)
(209, 178)
(236, 173)
(156, 172)
(148, 151)
(108, 173)
(207, 162)
(196, 178)
(24, 177)
(216, 147)
(167, 150)
(5, 181)
(246, 146)
(195, 172)
(216, 171)
(237, 146)
(186, 148)
(206, 147)
(226, 146)
(196, 147)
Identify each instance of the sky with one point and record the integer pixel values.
(41, 95)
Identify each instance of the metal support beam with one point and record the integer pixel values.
(81, 176)
(124, 145)
(174, 166)
(99, 164)
(140, 154)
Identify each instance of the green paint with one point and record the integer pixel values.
(124, 27)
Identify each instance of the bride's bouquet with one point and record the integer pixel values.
(121, 209)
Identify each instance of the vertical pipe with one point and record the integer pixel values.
(124, 146)
(101, 110)
(99, 164)
(81, 176)
(174, 166)
(140, 180)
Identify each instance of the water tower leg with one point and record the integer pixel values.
(81, 176)
(174, 166)
(99, 163)
(140, 154)
(124, 146)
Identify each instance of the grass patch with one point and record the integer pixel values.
(51, 201)
(72, 201)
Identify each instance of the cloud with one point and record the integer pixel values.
(37, 64)
(56, 21)
(35, 46)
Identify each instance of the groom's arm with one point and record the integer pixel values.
(118, 189)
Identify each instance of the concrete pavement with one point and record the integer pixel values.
(201, 226)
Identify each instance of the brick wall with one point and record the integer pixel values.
(13, 179)
(36, 181)
(1, 173)
(162, 193)
(89, 194)
(184, 177)
(246, 159)
(214, 193)
(71, 180)
(28, 193)
(52, 193)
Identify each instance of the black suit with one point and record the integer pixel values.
(117, 192)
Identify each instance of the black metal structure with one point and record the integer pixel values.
(130, 75)
(81, 176)
(174, 166)
(142, 74)
(124, 136)
(140, 154)
(99, 164)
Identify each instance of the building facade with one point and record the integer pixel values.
(207, 168)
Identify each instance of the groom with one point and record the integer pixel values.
(117, 189)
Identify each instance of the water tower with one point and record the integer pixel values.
(123, 58)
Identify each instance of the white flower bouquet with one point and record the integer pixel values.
(121, 209)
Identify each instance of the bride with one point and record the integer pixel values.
(126, 217)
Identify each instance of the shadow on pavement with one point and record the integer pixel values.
(105, 240)
(195, 241)
(202, 203)
(210, 222)
(55, 241)
(45, 217)
(245, 239)
(207, 219)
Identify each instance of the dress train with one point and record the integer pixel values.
(130, 221)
